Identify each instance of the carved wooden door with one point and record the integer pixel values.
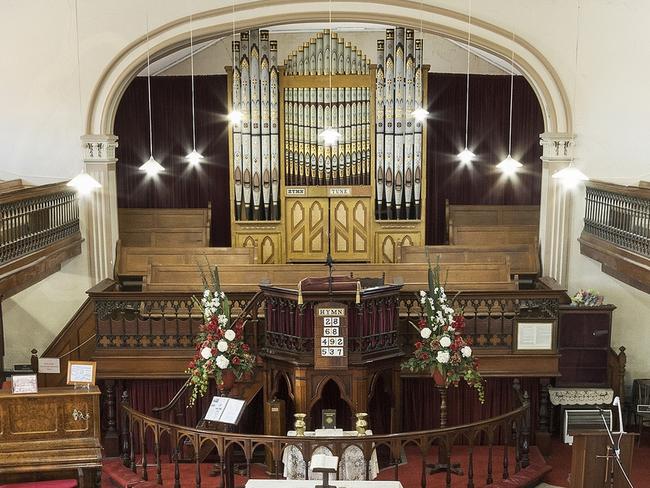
(350, 235)
(306, 229)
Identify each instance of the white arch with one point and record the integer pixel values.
(114, 79)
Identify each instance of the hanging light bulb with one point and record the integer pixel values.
(466, 156)
(330, 137)
(194, 158)
(509, 165)
(420, 114)
(84, 183)
(152, 167)
(235, 117)
(570, 176)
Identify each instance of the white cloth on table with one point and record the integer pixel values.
(312, 484)
(352, 465)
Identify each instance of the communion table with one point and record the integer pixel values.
(352, 465)
(312, 484)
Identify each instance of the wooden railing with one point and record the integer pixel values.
(617, 231)
(513, 428)
(34, 218)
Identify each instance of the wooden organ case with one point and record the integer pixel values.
(296, 197)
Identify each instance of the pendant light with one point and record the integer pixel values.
(510, 165)
(466, 156)
(330, 136)
(83, 182)
(235, 116)
(420, 113)
(151, 166)
(194, 158)
(572, 176)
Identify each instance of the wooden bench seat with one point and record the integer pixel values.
(165, 227)
(67, 483)
(471, 235)
(241, 278)
(524, 259)
(133, 261)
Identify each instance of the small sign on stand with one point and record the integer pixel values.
(81, 374)
(24, 383)
(331, 334)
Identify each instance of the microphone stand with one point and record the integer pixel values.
(614, 450)
(329, 262)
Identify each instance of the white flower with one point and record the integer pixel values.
(223, 320)
(222, 294)
(229, 335)
(423, 293)
(441, 357)
(425, 333)
(206, 293)
(215, 302)
(222, 362)
(206, 353)
(466, 351)
(445, 341)
(451, 329)
(222, 346)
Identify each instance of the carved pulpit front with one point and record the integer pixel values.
(344, 331)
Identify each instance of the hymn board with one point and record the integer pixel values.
(292, 196)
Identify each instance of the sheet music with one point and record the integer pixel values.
(216, 409)
(224, 409)
(535, 335)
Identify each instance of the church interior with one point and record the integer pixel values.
(324, 243)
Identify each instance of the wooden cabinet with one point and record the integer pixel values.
(584, 342)
(52, 434)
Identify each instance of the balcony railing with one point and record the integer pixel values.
(34, 218)
(617, 231)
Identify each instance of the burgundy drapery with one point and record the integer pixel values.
(179, 186)
(481, 183)
(182, 187)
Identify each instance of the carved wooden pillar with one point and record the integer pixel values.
(301, 391)
(396, 414)
(359, 391)
(124, 432)
(111, 440)
(543, 434)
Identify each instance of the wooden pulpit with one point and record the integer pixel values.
(590, 468)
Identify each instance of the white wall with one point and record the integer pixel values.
(40, 124)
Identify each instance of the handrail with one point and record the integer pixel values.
(514, 427)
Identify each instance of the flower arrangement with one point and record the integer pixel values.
(442, 349)
(587, 298)
(220, 349)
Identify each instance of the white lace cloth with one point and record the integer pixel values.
(352, 465)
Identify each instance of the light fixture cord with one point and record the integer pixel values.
(149, 88)
(575, 77)
(512, 78)
(81, 117)
(469, 37)
(192, 77)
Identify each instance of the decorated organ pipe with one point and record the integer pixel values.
(255, 141)
(398, 147)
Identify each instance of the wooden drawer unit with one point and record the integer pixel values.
(52, 434)
(584, 341)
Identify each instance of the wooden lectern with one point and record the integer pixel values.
(589, 466)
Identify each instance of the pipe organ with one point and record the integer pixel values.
(297, 195)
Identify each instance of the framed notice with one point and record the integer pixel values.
(24, 383)
(81, 372)
(330, 336)
(224, 409)
(535, 336)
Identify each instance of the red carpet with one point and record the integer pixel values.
(409, 473)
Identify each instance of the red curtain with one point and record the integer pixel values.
(481, 183)
(179, 186)
(182, 187)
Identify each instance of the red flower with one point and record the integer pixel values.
(235, 361)
(425, 356)
(245, 347)
(422, 323)
(192, 365)
(418, 345)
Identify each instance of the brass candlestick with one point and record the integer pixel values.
(362, 423)
(299, 425)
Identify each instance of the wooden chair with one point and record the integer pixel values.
(641, 402)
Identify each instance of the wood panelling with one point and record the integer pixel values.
(350, 233)
(307, 229)
(501, 235)
(165, 227)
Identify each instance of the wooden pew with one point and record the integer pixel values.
(500, 235)
(519, 219)
(134, 261)
(240, 278)
(165, 227)
(523, 258)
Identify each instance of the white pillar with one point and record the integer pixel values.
(555, 206)
(101, 216)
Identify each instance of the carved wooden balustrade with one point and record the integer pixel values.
(140, 431)
(617, 231)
